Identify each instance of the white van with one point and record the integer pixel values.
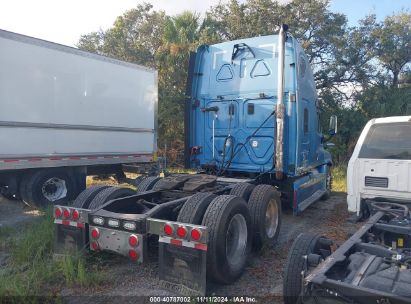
(380, 167)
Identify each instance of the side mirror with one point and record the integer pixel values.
(333, 125)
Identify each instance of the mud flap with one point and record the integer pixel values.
(71, 231)
(182, 269)
(69, 240)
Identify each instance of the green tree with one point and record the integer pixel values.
(181, 34)
(134, 37)
(151, 38)
(393, 47)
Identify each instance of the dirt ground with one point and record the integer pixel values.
(262, 278)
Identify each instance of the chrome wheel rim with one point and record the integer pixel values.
(54, 189)
(236, 240)
(271, 218)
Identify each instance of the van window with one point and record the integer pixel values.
(388, 141)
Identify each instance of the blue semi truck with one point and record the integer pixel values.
(252, 133)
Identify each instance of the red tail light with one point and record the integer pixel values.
(75, 215)
(95, 233)
(133, 240)
(133, 254)
(95, 246)
(195, 234)
(66, 213)
(181, 231)
(58, 212)
(168, 229)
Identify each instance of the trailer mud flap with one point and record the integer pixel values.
(182, 266)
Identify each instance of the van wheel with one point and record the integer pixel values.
(329, 181)
(242, 190)
(109, 194)
(265, 209)
(194, 208)
(229, 229)
(49, 186)
(85, 197)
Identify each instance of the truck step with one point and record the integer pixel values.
(307, 202)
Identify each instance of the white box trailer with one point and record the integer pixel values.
(72, 112)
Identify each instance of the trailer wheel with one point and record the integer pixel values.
(109, 194)
(328, 185)
(10, 188)
(11, 196)
(85, 197)
(242, 190)
(194, 208)
(303, 245)
(23, 188)
(265, 208)
(229, 230)
(147, 183)
(49, 186)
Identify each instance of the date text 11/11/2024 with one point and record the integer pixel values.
(171, 299)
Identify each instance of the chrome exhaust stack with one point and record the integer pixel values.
(280, 108)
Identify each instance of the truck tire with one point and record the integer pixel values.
(160, 184)
(109, 194)
(85, 197)
(195, 207)
(229, 230)
(23, 187)
(138, 180)
(329, 182)
(147, 183)
(265, 208)
(242, 190)
(11, 196)
(303, 245)
(48, 187)
(10, 188)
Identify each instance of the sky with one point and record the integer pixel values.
(63, 21)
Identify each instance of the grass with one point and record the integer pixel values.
(180, 171)
(339, 174)
(31, 270)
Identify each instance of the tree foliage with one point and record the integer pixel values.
(393, 47)
(361, 72)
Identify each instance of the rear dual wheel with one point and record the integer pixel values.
(229, 230)
(265, 208)
(233, 225)
(86, 197)
(147, 183)
(109, 194)
(96, 196)
(195, 207)
(264, 204)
